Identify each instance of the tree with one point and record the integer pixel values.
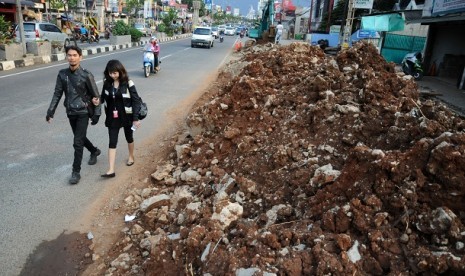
(133, 6)
(168, 19)
(337, 15)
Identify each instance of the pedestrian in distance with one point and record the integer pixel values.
(122, 108)
(81, 93)
(279, 33)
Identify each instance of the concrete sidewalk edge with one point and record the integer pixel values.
(29, 61)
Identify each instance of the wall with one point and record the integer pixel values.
(448, 40)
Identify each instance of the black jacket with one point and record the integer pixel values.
(131, 103)
(74, 84)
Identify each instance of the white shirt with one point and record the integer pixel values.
(279, 29)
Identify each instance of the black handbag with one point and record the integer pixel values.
(143, 111)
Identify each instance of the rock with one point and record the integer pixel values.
(154, 202)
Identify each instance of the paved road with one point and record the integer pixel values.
(36, 200)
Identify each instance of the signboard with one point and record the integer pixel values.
(335, 29)
(208, 4)
(448, 6)
(147, 8)
(366, 34)
(364, 4)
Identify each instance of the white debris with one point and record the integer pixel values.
(353, 253)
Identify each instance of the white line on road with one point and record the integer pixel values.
(86, 58)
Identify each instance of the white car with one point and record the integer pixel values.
(42, 31)
(202, 36)
(230, 31)
(215, 32)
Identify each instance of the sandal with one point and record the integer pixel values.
(130, 163)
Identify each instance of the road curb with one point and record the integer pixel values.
(29, 61)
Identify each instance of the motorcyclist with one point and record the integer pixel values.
(153, 47)
(221, 35)
(156, 52)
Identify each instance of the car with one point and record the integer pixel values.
(143, 29)
(221, 28)
(34, 31)
(202, 36)
(215, 32)
(229, 31)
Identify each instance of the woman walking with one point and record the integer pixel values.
(122, 107)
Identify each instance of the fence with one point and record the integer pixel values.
(397, 46)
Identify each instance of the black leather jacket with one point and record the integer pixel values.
(74, 84)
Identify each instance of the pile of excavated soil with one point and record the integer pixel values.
(305, 164)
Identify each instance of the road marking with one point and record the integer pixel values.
(86, 58)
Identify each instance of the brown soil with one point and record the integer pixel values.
(298, 163)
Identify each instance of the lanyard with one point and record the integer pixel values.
(114, 97)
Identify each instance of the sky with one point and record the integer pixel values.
(244, 5)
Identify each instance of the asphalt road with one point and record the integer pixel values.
(36, 201)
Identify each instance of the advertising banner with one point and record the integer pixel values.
(208, 5)
(363, 4)
(448, 6)
(147, 8)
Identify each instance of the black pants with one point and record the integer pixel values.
(114, 132)
(79, 124)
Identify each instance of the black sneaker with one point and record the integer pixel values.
(75, 177)
(93, 157)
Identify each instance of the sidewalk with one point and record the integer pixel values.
(445, 90)
(33, 60)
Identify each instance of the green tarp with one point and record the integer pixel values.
(383, 23)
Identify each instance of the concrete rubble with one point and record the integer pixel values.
(299, 163)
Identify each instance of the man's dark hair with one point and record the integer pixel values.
(75, 48)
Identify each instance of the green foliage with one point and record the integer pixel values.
(4, 29)
(161, 28)
(168, 21)
(135, 34)
(121, 28)
(134, 5)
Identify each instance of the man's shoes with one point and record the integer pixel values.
(75, 177)
(108, 175)
(93, 157)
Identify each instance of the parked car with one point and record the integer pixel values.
(143, 29)
(202, 36)
(42, 31)
(229, 31)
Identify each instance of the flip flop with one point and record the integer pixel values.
(130, 163)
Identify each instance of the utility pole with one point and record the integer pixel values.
(348, 25)
(310, 17)
(19, 15)
(195, 17)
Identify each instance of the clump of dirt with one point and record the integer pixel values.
(305, 164)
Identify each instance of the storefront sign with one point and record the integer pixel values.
(335, 29)
(364, 4)
(448, 6)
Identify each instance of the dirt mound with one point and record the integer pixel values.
(305, 164)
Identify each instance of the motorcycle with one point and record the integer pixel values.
(412, 65)
(94, 37)
(149, 61)
(221, 36)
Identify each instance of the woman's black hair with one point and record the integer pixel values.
(115, 65)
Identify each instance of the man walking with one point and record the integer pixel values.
(79, 87)
(279, 32)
